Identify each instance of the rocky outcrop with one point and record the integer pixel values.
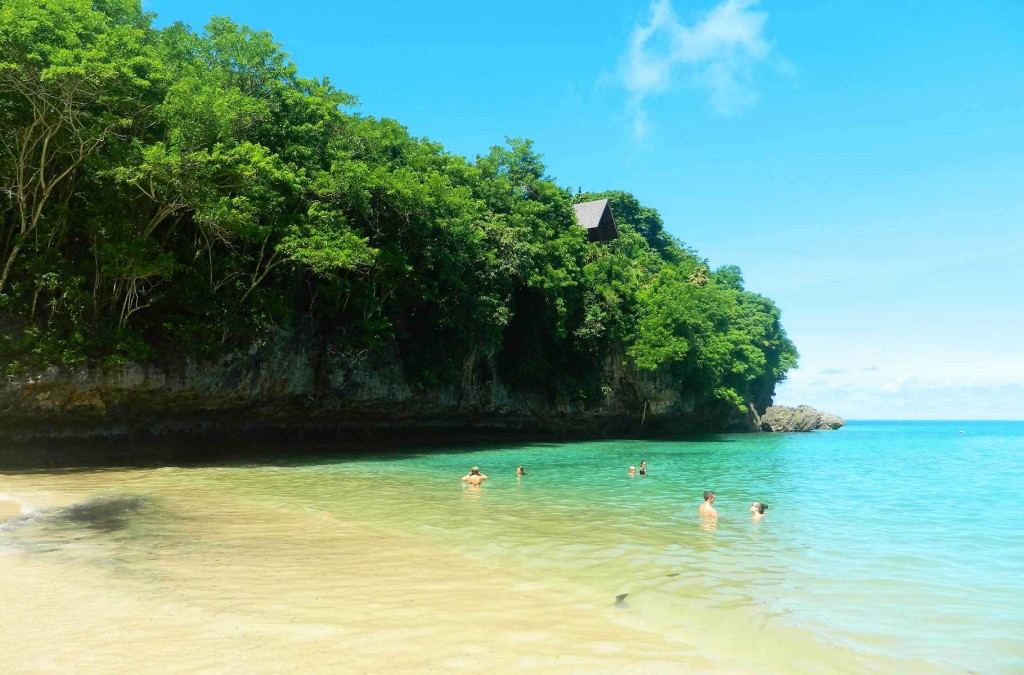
(801, 418)
(285, 390)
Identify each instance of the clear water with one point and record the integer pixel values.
(887, 546)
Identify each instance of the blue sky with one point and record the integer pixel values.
(862, 161)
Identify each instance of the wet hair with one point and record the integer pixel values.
(708, 494)
(761, 506)
(521, 470)
(474, 471)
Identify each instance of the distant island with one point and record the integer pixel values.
(197, 239)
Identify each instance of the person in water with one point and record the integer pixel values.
(643, 468)
(757, 510)
(706, 509)
(632, 471)
(520, 471)
(474, 477)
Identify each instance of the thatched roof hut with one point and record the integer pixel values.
(596, 218)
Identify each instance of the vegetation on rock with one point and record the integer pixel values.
(168, 193)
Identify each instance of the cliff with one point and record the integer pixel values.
(283, 391)
(801, 418)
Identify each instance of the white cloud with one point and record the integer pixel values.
(925, 384)
(717, 53)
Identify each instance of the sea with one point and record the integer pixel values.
(887, 546)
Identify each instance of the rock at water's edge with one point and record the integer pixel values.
(801, 418)
(285, 393)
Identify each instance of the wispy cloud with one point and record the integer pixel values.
(916, 385)
(717, 54)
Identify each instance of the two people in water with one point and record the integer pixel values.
(643, 469)
(475, 477)
(707, 509)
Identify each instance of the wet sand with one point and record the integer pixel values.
(225, 589)
(272, 569)
(9, 509)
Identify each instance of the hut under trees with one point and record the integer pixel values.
(596, 218)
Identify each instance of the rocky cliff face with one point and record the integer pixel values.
(284, 388)
(801, 418)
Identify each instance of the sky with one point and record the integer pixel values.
(861, 161)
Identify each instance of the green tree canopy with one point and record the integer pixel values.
(171, 191)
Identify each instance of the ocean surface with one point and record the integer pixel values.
(886, 547)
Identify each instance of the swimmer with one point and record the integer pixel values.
(757, 510)
(474, 477)
(643, 468)
(706, 509)
(632, 471)
(520, 471)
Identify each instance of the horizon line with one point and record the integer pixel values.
(931, 419)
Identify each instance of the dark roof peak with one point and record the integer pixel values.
(596, 218)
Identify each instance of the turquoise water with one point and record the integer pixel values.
(896, 542)
(887, 547)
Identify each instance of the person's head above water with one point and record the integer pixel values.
(709, 495)
(520, 471)
(758, 507)
(475, 471)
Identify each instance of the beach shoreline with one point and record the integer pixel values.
(368, 598)
(388, 562)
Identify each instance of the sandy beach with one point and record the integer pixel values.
(9, 509)
(217, 589)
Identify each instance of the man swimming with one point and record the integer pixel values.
(474, 477)
(643, 468)
(520, 471)
(757, 510)
(706, 509)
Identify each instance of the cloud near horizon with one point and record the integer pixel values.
(909, 391)
(717, 54)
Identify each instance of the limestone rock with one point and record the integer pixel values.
(801, 418)
(829, 421)
(288, 388)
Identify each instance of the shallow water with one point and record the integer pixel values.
(888, 547)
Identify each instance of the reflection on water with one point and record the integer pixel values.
(393, 563)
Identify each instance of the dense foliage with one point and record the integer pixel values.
(164, 191)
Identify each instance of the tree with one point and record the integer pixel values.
(74, 79)
(166, 191)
